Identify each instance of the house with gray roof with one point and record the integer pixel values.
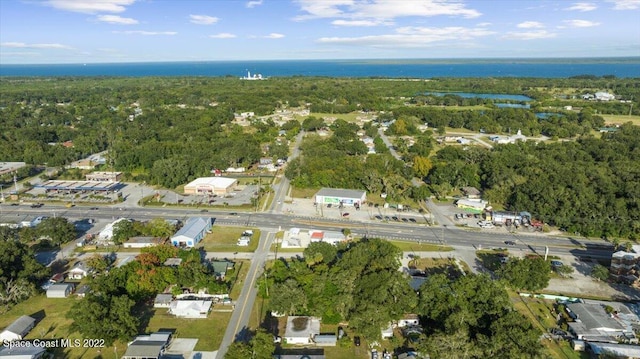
(30, 352)
(18, 329)
(192, 233)
(150, 346)
(306, 353)
(593, 323)
(220, 268)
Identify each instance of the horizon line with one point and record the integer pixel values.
(448, 59)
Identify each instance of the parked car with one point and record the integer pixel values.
(556, 264)
(356, 341)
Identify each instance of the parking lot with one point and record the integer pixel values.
(307, 208)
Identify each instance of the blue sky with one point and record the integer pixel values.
(89, 31)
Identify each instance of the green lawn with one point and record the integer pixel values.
(620, 119)
(209, 331)
(349, 117)
(52, 323)
(225, 239)
(422, 247)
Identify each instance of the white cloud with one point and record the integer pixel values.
(146, 33)
(363, 23)
(412, 37)
(582, 6)
(382, 9)
(254, 3)
(529, 35)
(22, 45)
(223, 35)
(581, 23)
(115, 19)
(90, 6)
(274, 35)
(203, 19)
(531, 25)
(483, 24)
(625, 4)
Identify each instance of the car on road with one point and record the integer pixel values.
(556, 264)
(37, 205)
(94, 208)
(15, 204)
(510, 243)
(204, 210)
(345, 215)
(233, 213)
(356, 341)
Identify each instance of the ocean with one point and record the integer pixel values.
(401, 68)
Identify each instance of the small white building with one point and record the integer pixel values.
(107, 232)
(196, 309)
(142, 242)
(18, 329)
(604, 96)
(211, 185)
(79, 271)
(60, 290)
(301, 330)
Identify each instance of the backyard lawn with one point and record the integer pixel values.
(209, 331)
(52, 323)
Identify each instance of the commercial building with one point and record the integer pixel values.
(472, 205)
(104, 176)
(625, 266)
(592, 323)
(192, 233)
(338, 196)
(70, 187)
(211, 185)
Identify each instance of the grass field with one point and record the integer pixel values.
(620, 119)
(422, 247)
(225, 239)
(209, 331)
(349, 117)
(52, 322)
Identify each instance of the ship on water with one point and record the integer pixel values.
(253, 77)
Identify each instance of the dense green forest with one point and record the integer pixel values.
(168, 131)
(359, 282)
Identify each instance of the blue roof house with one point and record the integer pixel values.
(192, 233)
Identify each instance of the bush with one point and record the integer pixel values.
(600, 272)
